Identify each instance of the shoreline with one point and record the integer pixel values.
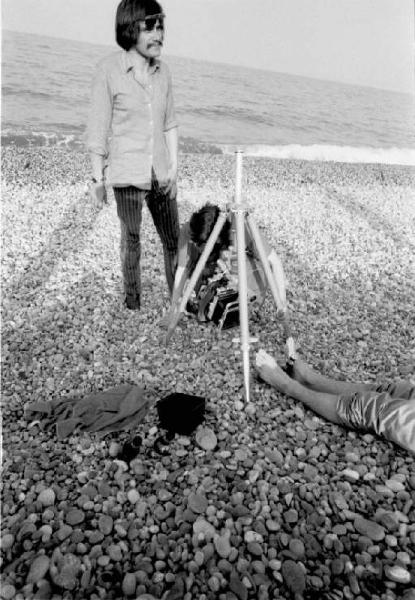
(317, 152)
(405, 173)
(284, 498)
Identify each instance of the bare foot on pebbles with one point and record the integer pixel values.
(271, 372)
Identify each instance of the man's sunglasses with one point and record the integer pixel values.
(152, 22)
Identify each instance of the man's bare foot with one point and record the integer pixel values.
(271, 372)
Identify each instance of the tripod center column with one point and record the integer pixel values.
(242, 276)
(238, 177)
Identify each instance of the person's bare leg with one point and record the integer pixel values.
(306, 375)
(321, 403)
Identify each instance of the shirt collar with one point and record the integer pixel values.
(130, 61)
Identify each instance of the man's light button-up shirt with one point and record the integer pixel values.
(122, 129)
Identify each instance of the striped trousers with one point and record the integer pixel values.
(163, 209)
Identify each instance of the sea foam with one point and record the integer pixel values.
(333, 153)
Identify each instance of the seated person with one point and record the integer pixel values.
(193, 237)
(221, 268)
(387, 409)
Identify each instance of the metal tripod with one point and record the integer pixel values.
(273, 272)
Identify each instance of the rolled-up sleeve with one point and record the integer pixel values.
(100, 113)
(170, 116)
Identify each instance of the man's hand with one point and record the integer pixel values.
(98, 194)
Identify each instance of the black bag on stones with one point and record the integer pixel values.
(181, 413)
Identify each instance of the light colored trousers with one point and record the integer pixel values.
(388, 410)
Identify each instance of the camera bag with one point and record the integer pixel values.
(225, 309)
(181, 413)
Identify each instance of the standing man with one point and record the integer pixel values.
(132, 130)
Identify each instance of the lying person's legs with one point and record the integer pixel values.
(303, 373)
(306, 375)
(321, 403)
(378, 409)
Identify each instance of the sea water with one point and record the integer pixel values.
(220, 107)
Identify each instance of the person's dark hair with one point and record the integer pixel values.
(129, 12)
(201, 225)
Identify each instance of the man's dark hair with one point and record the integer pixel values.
(202, 223)
(129, 13)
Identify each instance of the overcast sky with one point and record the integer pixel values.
(368, 42)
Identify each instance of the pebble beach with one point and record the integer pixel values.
(265, 500)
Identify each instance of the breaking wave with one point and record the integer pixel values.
(333, 153)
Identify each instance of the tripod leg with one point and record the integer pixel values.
(181, 303)
(243, 296)
(275, 279)
(277, 288)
